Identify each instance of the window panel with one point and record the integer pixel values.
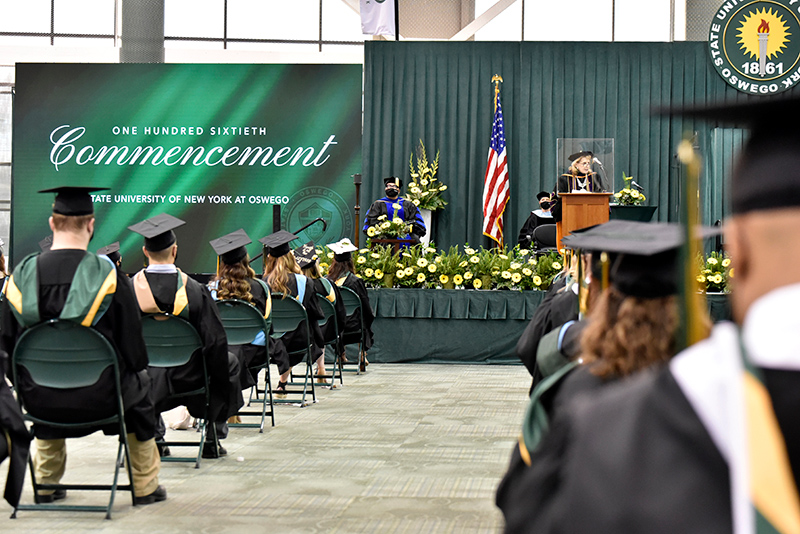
(84, 16)
(273, 19)
(197, 45)
(507, 26)
(25, 16)
(340, 23)
(84, 42)
(568, 20)
(640, 21)
(194, 18)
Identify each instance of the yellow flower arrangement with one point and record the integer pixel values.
(477, 284)
(425, 190)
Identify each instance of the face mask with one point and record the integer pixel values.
(544, 204)
(392, 193)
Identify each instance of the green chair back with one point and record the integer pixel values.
(350, 300)
(242, 321)
(64, 355)
(170, 340)
(287, 314)
(330, 316)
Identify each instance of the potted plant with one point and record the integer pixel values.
(630, 202)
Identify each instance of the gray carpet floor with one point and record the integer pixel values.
(400, 448)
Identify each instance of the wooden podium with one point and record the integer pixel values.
(579, 210)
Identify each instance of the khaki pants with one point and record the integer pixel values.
(50, 461)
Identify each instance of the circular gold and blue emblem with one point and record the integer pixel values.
(755, 45)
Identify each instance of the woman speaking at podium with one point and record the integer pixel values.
(578, 179)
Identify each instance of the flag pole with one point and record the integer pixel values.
(496, 80)
(396, 20)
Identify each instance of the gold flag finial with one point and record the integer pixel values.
(496, 80)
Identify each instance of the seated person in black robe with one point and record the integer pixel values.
(49, 279)
(306, 257)
(633, 325)
(235, 279)
(393, 205)
(163, 288)
(343, 273)
(282, 275)
(537, 217)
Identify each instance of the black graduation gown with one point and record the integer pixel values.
(411, 215)
(338, 307)
(223, 372)
(525, 238)
(295, 340)
(13, 432)
(120, 325)
(351, 323)
(251, 356)
(565, 183)
(557, 308)
(632, 458)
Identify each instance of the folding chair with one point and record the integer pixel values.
(170, 342)
(65, 355)
(243, 322)
(287, 315)
(352, 304)
(330, 319)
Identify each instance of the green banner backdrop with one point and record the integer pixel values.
(442, 93)
(215, 145)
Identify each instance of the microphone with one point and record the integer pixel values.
(595, 160)
(637, 186)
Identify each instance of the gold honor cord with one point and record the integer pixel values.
(692, 300)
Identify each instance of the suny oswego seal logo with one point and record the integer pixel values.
(755, 45)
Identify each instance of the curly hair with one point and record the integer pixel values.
(340, 268)
(232, 280)
(277, 271)
(627, 334)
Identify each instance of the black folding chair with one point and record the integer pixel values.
(544, 239)
(64, 355)
(329, 311)
(170, 342)
(288, 314)
(352, 304)
(243, 322)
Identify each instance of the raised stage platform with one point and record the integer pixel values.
(460, 325)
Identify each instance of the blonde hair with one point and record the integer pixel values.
(277, 271)
(573, 168)
(70, 223)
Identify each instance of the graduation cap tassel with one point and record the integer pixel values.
(691, 300)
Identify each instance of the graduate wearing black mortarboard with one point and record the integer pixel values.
(66, 281)
(282, 275)
(710, 443)
(393, 205)
(162, 287)
(236, 280)
(306, 258)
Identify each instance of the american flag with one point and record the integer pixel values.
(495, 183)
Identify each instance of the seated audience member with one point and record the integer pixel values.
(112, 252)
(63, 282)
(536, 218)
(163, 288)
(631, 326)
(710, 442)
(306, 257)
(235, 279)
(343, 273)
(282, 275)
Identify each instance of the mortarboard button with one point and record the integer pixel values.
(157, 231)
(278, 243)
(231, 247)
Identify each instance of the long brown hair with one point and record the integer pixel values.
(627, 334)
(278, 270)
(340, 268)
(232, 280)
